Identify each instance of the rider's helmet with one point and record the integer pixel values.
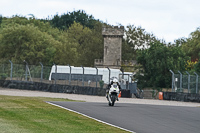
(115, 80)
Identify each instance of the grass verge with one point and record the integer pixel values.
(33, 115)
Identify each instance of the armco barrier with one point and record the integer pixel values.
(125, 93)
(177, 96)
(58, 88)
(52, 87)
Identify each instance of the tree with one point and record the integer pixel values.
(37, 41)
(135, 38)
(197, 67)
(66, 52)
(192, 46)
(90, 43)
(26, 42)
(0, 20)
(157, 61)
(64, 21)
(42, 26)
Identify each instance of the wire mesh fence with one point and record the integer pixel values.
(44, 74)
(64, 79)
(186, 83)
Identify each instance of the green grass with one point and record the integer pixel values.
(33, 115)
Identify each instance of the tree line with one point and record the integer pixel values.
(75, 38)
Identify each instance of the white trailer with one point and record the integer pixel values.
(87, 70)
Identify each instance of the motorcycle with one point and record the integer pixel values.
(113, 94)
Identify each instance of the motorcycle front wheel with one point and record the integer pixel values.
(113, 99)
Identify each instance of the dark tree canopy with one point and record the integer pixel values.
(156, 63)
(36, 41)
(66, 20)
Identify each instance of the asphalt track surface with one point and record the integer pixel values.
(141, 118)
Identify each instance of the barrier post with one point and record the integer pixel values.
(172, 79)
(188, 81)
(70, 71)
(109, 74)
(197, 78)
(26, 69)
(11, 69)
(41, 71)
(181, 77)
(55, 73)
(96, 75)
(83, 76)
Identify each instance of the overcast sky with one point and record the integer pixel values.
(166, 19)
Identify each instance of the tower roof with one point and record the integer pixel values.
(113, 31)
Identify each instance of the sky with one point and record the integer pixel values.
(166, 19)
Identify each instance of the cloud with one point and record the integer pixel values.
(169, 19)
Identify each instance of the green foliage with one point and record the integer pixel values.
(65, 21)
(127, 52)
(192, 46)
(101, 83)
(197, 67)
(3, 76)
(1, 18)
(37, 41)
(156, 62)
(136, 38)
(189, 66)
(26, 42)
(89, 44)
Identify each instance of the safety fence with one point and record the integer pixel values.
(39, 77)
(33, 77)
(185, 82)
(42, 74)
(185, 87)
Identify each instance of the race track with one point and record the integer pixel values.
(141, 118)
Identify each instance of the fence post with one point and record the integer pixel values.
(109, 74)
(122, 70)
(70, 71)
(172, 79)
(55, 73)
(83, 76)
(197, 78)
(26, 69)
(41, 72)
(3, 68)
(11, 69)
(96, 75)
(181, 78)
(188, 81)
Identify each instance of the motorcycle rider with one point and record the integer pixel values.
(114, 81)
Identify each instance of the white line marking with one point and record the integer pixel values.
(90, 117)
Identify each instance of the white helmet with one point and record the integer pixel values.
(115, 80)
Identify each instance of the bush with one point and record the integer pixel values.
(3, 76)
(101, 83)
